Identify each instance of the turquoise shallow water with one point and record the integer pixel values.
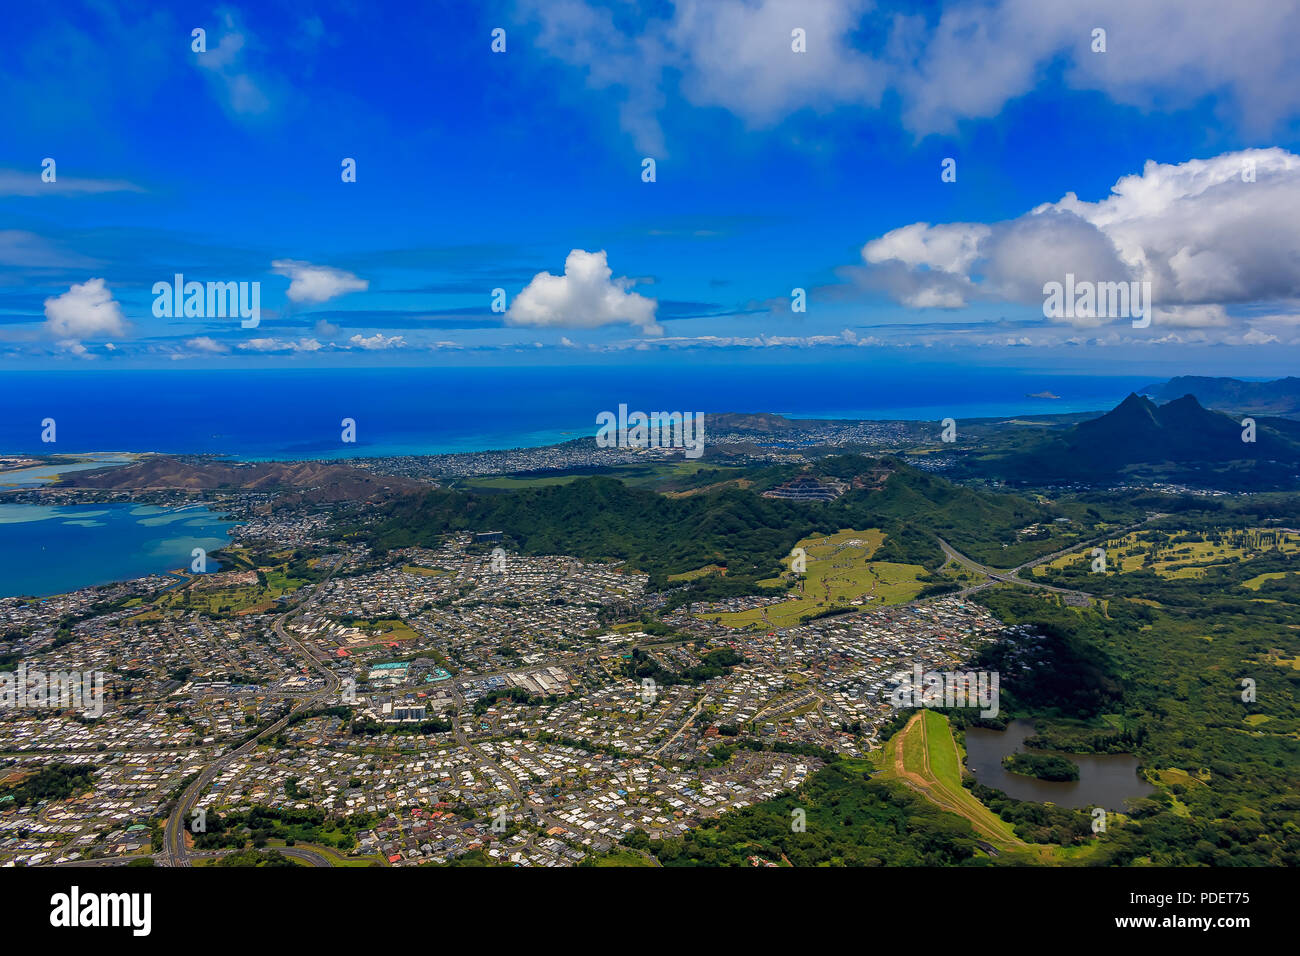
(52, 549)
(297, 414)
(41, 475)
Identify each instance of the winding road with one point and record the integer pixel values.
(1013, 576)
(175, 852)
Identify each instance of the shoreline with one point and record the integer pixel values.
(432, 450)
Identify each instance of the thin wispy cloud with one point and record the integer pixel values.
(968, 62)
(238, 87)
(15, 182)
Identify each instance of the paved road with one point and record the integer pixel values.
(1013, 576)
(686, 723)
(105, 861)
(175, 853)
(310, 857)
(995, 577)
(462, 738)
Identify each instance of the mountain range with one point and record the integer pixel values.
(1278, 397)
(1179, 442)
(311, 480)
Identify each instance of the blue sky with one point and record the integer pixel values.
(775, 170)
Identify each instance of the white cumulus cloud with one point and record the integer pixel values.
(315, 284)
(206, 343)
(967, 60)
(85, 311)
(281, 345)
(1207, 234)
(378, 342)
(585, 297)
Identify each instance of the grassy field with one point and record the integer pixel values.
(636, 475)
(1255, 582)
(1277, 659)
(203, 593)
(924, 756)
(913, 750)
(1186, 558)
(839, 572)
(507, 483)
(334, 856)
(697, 573)
(621, 858)
(389, 628)
(240, 599)
(943, 758)
(644, 475)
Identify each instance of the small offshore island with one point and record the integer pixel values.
(1043, 766)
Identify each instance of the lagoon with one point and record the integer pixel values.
(1105, 780)
(41, 475)
(51, 549)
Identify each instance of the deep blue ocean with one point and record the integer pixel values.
(294, 414)
(297, 414)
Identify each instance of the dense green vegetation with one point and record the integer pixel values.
(1166, 683)
(515, 695)
(472, 858)
(1042, 766)
(1177, 442)
(1061, 674)
(258, 825)
(600, 518)
(712, 664)
(850, 821)
(257, 858)
(1161, 679)
(1155, 668)
(55, 782)
(1035, 822)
